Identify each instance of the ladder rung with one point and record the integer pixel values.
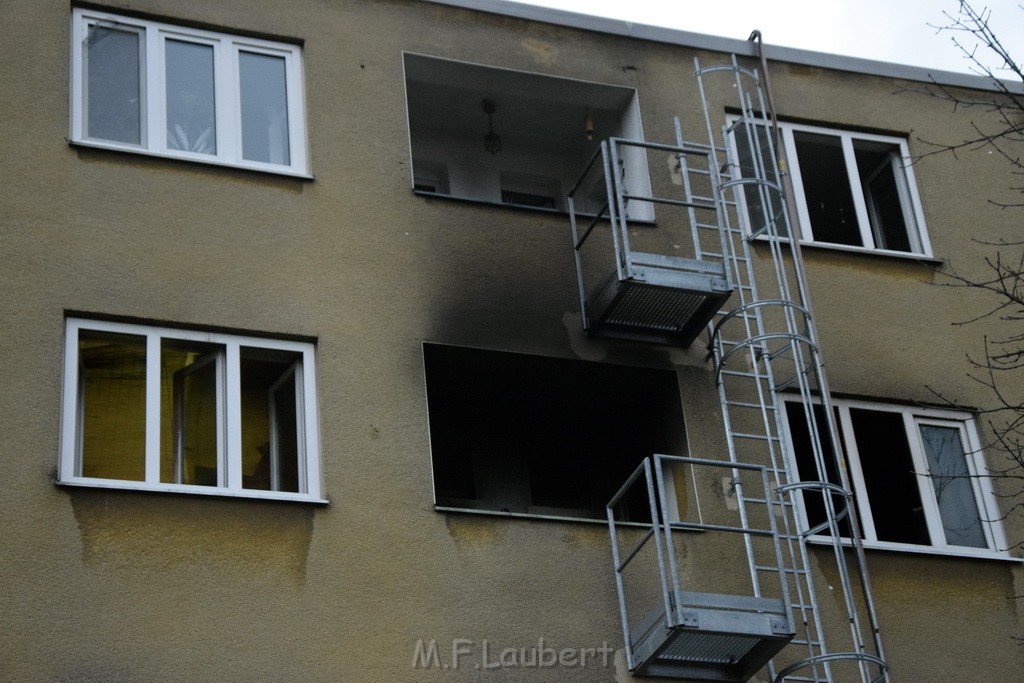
(765, 500)
(786, 570)
(786, 383)
(740, 373)
(760, 437)
(746, 404)
(804, 641)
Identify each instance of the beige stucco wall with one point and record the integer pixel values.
(106, 585)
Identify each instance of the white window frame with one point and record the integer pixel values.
(906, 187)
(229, 413)
(153, 132)
(913, 417)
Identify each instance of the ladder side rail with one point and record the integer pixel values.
(730, 434)
(824, 390)
(765, 399)
(823, 385)
(684, 172)
(669, 546)
(768, 170)
(714, 167)
(620, 566)
(797, 557)
(620, 228)
(838, 547)
(576, 260)
(796, 538)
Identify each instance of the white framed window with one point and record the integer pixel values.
(193, 94)
(852, 190)
(188, 411)
(918, 475)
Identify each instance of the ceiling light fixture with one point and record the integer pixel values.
(492, 141)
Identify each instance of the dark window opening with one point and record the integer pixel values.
(764, 206)
(814, 501)
(878, 165)
(535, 435)
(827, 189)
(850, 189)
(889, 476)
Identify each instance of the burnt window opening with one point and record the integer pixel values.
(534, 435)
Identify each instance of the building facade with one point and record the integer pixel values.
(301, 385)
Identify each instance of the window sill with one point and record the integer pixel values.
(970, 553)
(186, 490)
(521, 207)
(535, 516)
(266, 169)
(860, 251)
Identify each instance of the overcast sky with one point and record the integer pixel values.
(886, 30)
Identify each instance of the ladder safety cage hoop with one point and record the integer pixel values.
(826, 488)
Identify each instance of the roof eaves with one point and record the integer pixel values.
(703, 41)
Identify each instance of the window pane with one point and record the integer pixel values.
(189, 442)
(877, 164)
(827, 188)
(112, 95)
(764, 206)
(814, 501)
(264, 108)
(270, 420)
(191, 119)
(113, 405)
(889, 476)
(947, 467)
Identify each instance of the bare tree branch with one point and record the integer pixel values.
(999, 129)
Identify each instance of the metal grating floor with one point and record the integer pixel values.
(657, 313)
(656, 308)
(709, 648)
(713, 637)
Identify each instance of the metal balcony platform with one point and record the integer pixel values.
(711, 637)
(667, 300)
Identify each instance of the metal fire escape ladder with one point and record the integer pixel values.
(764, 345)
